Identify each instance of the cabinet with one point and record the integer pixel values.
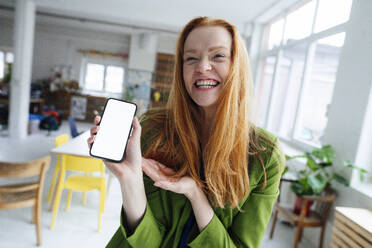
(61, 100)
(162, 80)
(36, 105)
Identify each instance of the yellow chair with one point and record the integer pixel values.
(81, 182)
(60, 140)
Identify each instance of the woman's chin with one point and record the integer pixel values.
(207, 105)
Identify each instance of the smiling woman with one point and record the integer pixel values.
(212, 176)
(206, 64)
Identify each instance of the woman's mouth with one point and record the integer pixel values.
(206, 84)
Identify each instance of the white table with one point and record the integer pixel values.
(77, 146)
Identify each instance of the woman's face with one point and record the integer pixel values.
(206, 63)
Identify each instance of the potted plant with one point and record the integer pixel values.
(318, 174)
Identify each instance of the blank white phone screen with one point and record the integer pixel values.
(114, 130)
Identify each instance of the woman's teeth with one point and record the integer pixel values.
(206, 84)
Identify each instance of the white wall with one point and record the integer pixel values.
(6, 32)
(57, 44)
(167, 43)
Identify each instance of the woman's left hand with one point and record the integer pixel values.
(161, 175)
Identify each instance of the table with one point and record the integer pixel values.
(77, 146)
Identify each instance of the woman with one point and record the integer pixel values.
(212, 177)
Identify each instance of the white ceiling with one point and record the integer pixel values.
(166, 15)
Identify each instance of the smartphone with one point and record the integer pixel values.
(114, 130)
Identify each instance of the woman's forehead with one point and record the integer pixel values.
(208, 37)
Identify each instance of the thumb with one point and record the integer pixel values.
(136, 133)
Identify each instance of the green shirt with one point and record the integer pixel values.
(167, 212)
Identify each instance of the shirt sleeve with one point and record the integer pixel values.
(249, 225)
(148, 233)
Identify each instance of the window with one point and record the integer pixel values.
(332, 13)
(299, 22)
(264, 90)
(275, 34)
(6, 58)
(286, 90)
(2, 65)
(299, 68)
(318, 90)
(104, 77)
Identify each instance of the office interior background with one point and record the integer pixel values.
(311, 67)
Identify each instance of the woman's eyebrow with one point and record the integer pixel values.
(217, 48)
(190, 51)
(209, 49)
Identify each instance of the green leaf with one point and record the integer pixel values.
(285, 170)
(287, 157)
(312, 164)
(318, 153)
(317, 182)
(302, 173)
(330, 153)
(361, 176)
(341, 179)
(323, 164)
(303, 181)
(326, 154)
(301, 189)
(298, 188)
(348, 164)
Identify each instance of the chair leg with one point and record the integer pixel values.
(68, 202)
(84, 201)
(51, 187)
(101, 206)
(298, 236)
(322, 231)
(273, 224)
(55, 192)
(34, 210)
(38, 222)
(56, 205)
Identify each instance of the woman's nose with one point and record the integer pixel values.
(204, 66)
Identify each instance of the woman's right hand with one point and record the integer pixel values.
(129, 174)
(129, 168)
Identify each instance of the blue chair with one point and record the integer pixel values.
(73, 128)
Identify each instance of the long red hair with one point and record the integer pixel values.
(225, 158)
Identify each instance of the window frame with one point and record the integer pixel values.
(105, 62)
(277, 52)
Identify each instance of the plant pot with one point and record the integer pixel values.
(298, 205)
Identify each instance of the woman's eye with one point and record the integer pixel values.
(218, 56)
(190, 59)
